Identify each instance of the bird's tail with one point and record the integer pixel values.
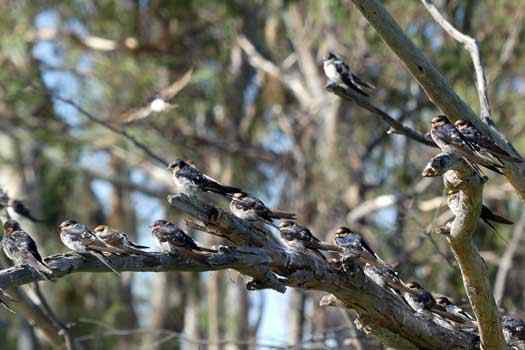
(103, 260)
(487, 214)
(39, 267)
(137, 246)
(224, 190)
(283, 215)
(136, 251)
(207, 250)
(324, 246)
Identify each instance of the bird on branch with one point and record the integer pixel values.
(355, 246)
(453, 309)
(119, 240)
(191, 181)
(81, 240)
(338, 72)
(19, 247)
(15, 207)
(250, 208)
(487, 147)
(299, 236)
(450, 140)
(172, 239)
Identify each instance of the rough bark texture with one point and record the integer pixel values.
(464, 191)
(258, 254)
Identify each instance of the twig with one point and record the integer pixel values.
(63, 328)
(364, 102)
(472, 47)
(505, 263)
(114, 129)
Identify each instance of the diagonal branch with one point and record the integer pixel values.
(363, 102)
(434, 83)
(472, 47)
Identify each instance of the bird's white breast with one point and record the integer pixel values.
(331, 72)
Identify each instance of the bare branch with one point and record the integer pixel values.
(433, 82)
(273, 265)
(114, 129)
(505, 263)
(364, 102)
(472, 47)
(464, 190)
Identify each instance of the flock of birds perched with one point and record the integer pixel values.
(461, 138)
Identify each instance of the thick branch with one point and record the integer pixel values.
(464, 190)
(272, 265)
(433, 82)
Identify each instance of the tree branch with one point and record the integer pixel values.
(257, 253)
(472, 47)
(464, 190)
(433, 82)
(361, 101)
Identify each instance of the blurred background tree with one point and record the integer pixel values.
(252, 111)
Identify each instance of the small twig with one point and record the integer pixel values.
(48, 311)
(472, 47)
(505, 262)
(364, 102)
(114, 129)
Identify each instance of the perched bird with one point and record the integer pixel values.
(513, 327)
(21, 248)
(19, 208)
(385, 277)
(337, 71)
(119, 240)
(80, 239)
(301, 237)
(450, 140)
(418, 298)
(486, 145)
(250, 208)
(454, 310)
(355, 246)
(190, 180)
(172, 239)
(489, 217)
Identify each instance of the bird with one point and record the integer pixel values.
(419, 299)
(19, 208)
(119, 240)
(190, 180)
(15, 207)
(80, 239)
(19, 247)
(486, 145)
(452, 309)
(250, 208)
(338, 72)
(301, 237)
(355, 246)
(385, 277)
(489, 217)
(450, 140)
(513, 327)
(172, 239)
